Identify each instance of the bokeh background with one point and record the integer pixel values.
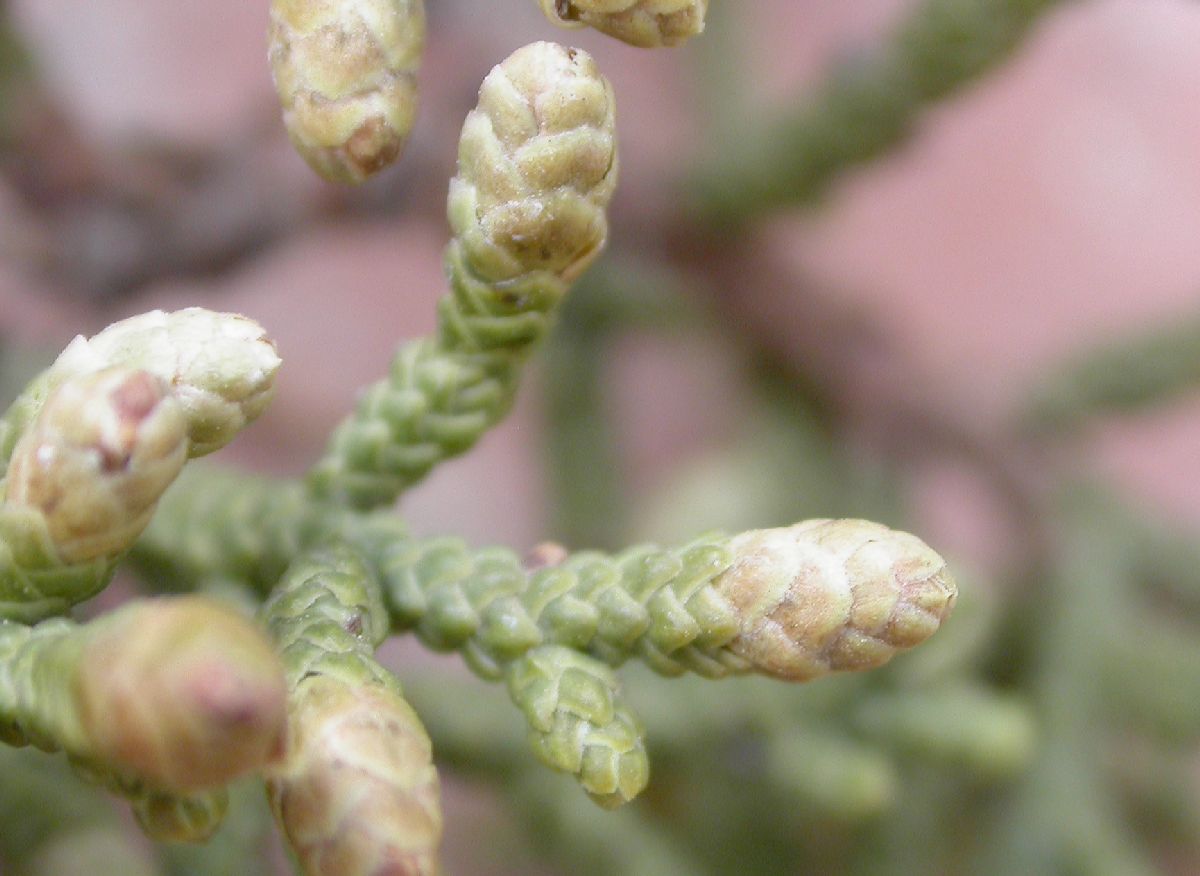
(986, 332)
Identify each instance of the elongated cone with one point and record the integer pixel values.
(96, 460)
(830, 595)
(645, 23)
(358, 794)
(182, 692)
(346, 72)
(220, 367)
(536, 167)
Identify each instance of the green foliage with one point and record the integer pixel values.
(1048, 729)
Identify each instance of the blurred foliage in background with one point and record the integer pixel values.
(1051, 728)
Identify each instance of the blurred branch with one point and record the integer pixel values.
(866, 107)
(1127, 375)
(53, 827)
(586, 490)
(1063, 819)
(103, 222)
(854, 371)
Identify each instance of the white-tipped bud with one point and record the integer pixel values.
(96, 460)
(346, 75)
(536, 166)
(830, 595)
(220, 367)
(645, 23)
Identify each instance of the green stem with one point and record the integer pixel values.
(327, 616)
(442, 393)
(652, 603)
(34, 582)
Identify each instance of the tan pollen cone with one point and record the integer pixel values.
(830, 595)
(183, 692)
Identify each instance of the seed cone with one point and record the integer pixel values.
(346, 73)
(536, 167)
(220, 367)
(830, 595)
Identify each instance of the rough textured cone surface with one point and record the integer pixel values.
(829, 595)
(358, 795)
(184, 693)
(346, 73)
(96, 460)
(536, 167)
(646, 23)
(220, 367)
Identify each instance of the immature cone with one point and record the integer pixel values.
(96, 460)
(183, 693)
(358, 794)
(346, 75)
(646, 23)
(830, 595)
(536, 167)
(219, 366)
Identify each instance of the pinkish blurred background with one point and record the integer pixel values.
(1053, 204)
(1056, 202)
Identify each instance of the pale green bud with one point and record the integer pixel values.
(346, 75)
(646, 23)
(537, 165)
(220, 367)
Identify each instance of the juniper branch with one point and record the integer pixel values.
(161, 702)
(794, 603)
(358, 793)
(181, 693)
(537, 165)
(1130, 375)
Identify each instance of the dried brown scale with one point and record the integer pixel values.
(644, 23)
